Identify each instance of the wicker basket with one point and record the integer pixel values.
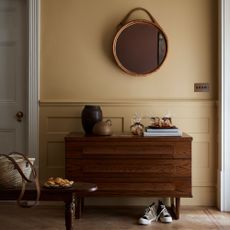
(9, 175)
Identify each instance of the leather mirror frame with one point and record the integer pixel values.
(140, 47)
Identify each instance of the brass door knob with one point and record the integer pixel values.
(19, 116)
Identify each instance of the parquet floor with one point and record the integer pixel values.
(46, 217)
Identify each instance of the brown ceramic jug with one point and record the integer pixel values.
(103, 128)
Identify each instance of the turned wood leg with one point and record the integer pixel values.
(79, 205)
(82, 204)
(68, 215)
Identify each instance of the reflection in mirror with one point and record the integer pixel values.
(140, 47)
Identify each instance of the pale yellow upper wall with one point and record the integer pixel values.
(76, 50)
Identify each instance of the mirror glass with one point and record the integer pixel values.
(140, 47)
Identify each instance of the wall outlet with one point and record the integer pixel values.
(201, 87)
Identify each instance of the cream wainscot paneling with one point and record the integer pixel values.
(195, 117)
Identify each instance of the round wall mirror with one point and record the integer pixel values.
(140, 47)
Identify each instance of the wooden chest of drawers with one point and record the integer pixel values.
(127, 165)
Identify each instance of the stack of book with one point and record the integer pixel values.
(155, 131)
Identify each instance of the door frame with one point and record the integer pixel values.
(33, 79)
(224, 107)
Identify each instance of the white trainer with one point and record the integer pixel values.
(163, 213)
(149, 216)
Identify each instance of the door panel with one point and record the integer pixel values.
(7, 140)
(13, 51)
(7, 72)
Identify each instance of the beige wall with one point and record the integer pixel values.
(76, 55)
(77, 67)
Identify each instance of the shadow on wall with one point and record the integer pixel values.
(108, 34)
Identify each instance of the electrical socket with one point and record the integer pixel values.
(201, 87)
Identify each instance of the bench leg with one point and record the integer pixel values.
(79, 205)
(68, 215)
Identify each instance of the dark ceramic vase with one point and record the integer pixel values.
(91, 114)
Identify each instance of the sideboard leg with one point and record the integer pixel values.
(177, 208)
(172, 203)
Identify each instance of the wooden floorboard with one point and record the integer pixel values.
(50, 217)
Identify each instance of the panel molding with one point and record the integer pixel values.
(57, 119)
(125, 102)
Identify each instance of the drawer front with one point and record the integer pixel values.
(73, 169)
(122, 150)
(176, 188)
(132, 150)
(126, 168)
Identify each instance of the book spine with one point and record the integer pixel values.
(162, 130)
(162, 134)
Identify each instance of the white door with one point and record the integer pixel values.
(13, 72)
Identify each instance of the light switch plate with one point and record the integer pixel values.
(201, 87)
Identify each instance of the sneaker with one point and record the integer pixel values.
(150, 215)
(163, 213)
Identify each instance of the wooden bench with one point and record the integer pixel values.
(68, 195)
